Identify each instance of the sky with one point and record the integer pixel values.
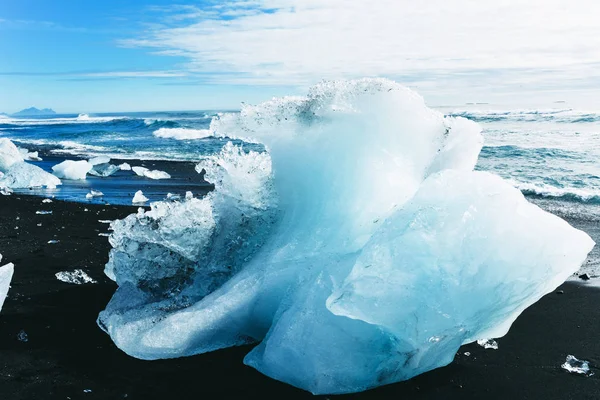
(145, 55)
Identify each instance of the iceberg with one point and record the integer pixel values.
(74, 170)
(6, 273)
(125, 167)
(22, 175)
(341, 288)
(9, 154)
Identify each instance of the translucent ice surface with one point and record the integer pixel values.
(359, 250)
(575, 366)
(23, 175)
(75, 170)
(6, 273)
(9, 154)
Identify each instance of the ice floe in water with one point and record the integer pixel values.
(94, 193)
(151, 174)
(342, 287)
(75, 170)
(103, 170)
(6, 273)
(77, 277)
(139, 197)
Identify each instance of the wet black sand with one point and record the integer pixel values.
(67, 353)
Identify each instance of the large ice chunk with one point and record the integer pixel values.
(9, 154)
(6, 273)
(22, 175)
(75, 170)
(343, 287)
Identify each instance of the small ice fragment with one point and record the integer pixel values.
(77, 277)
(139, 197)
(85, 209)
(488, 343)
(467, 353)
(105, 221)
(46, 201)
(27, 155)
(103, 170)
(99, 160)
(156, 174)
(87, 390)
(22, 336)
(189, 195)
(94, 193)
(53, 241)
(575, 366)
(139, 171)
(125, 167)
(43, 212)
(40, 224)
(104, 234)
(6, 191)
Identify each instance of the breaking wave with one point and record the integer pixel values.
(182, 133)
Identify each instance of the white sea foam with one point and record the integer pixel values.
(182, 133)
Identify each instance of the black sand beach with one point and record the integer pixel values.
(67, 354)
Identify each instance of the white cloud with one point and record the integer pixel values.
(302, 41)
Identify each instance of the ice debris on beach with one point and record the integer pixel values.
(342, 289)
(94, 193)
(17, 174)
(488, 344)
(43, 212)
(22, 336)
(76, 277)
(575, 366)
(46, 201)
(74, 170)
(139, 197)
(6, 274)
(151, 174)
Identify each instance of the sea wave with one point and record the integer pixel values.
(550, 115)
(80, 119)
(590, 196)
(182, 133)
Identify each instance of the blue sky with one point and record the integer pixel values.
(113, 55)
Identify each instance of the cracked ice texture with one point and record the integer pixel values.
(360, 250)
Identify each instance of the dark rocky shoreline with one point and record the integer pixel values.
(66, 353)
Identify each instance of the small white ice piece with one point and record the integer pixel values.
(488, 344)
(77, 277)
(575, 366)
(139, 197)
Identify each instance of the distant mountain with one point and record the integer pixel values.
(33, 112)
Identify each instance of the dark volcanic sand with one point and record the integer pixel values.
(67, 352)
